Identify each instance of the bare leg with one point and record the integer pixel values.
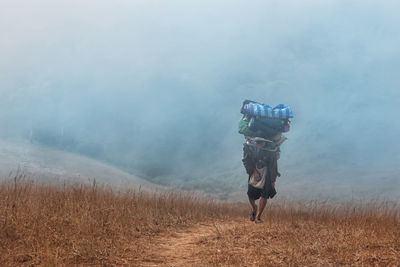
(253, 204)
(263, 203)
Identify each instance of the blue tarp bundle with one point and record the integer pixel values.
(281, 111)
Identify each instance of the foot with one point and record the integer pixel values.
(258, 220)
(253, 215)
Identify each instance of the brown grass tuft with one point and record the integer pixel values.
(89, 224)
(310, 234)
(78, 224)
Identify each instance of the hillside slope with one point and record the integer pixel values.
(48, 164)
(294, 242)
(88, 225)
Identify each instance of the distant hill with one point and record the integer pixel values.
(48, 164)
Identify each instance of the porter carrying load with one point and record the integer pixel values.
(262, 127)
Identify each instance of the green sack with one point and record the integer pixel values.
(244, 127)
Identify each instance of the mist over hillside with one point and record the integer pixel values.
(155, 87)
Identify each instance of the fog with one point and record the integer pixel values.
(155, 87)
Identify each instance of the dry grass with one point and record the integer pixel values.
(88, 224)
(85, 224)
(310, 234)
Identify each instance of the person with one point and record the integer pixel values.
(260, 162)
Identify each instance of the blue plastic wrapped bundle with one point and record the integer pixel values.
(281, 111)
(263, 121)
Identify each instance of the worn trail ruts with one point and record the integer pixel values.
(179, 248)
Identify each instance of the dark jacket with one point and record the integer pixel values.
(252, 155)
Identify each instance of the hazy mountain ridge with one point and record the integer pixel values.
(46, 164)
(158, 93)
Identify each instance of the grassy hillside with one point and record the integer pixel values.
(89, 224)
(42, 224)
(310, 235)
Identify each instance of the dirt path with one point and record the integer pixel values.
(179, 248)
